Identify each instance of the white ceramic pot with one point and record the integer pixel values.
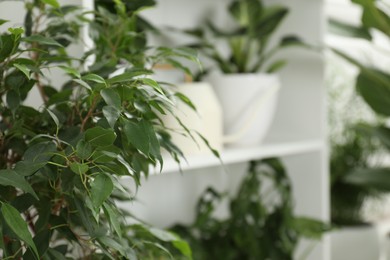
(248, 103)
(207, 119)
(355, 243)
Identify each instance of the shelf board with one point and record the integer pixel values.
(237, 155)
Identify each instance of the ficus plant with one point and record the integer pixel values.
(248, 43)
(62, 163)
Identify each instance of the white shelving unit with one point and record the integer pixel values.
(297, 136)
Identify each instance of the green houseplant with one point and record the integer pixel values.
(357, 177)
(61, 163)
(261, 223)
(243, 57)
(373, 85)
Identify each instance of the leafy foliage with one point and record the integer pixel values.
(248, 43)
(353, 171)
(261, 224)
(347, 160)
(61, 164)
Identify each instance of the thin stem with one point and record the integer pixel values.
(89, 114)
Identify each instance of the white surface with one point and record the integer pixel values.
(237, 155)
(248, 102)
(206, 120)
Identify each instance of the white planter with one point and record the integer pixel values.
(248, 102)
(355, 243)
(207, 119)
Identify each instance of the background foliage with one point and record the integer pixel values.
(261, 223)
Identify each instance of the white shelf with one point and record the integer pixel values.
(237, 155)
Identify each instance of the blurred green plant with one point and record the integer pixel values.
(354, 178)
(261, 223)
(249, 42)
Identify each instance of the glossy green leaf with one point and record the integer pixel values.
(112, 244)
(53, 3)
(83, 149)
(275, 66)
(344, 29)
(54, 117)
(94, 77)
(129, 76)
(99, 136)
(2, 21)
(27, 168)
(378, 178)
(113, 217)
(42, 40)
(12, 178)
(79, 168)
(101, 189)
(310, 228)
(143, 137)
(7, 46)
(111, 97)
(18, 225)
(183, 247)
(71, 71)
(185, 100)
(13, 100)
(374, 87)
(23, 68)
(83, 84)
(40, 152)
(111, 114)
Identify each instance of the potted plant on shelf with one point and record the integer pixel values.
(261, 224)
(248, 97)
(61, 163)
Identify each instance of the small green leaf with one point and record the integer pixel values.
(99, 136)
(7, 46)
(111, 114)
(18, 225)
(12, 178)
(83, 84)
(152, 83)
(23, 68)
(54, 117)
(83, 149)
(183, 247)
(374, 86)
(94, 78)
(275, 66)
(111, 97)
(101, 189)
(27, 168)
(162, 234)
(71, 71)
(129, 76)
(2, 21)
(143, 137)
(185, 100)
(79, 168)
(111, 243)
(53, 3)
(113, 218)
(377, 178)
(13, 100)
(42, 40)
